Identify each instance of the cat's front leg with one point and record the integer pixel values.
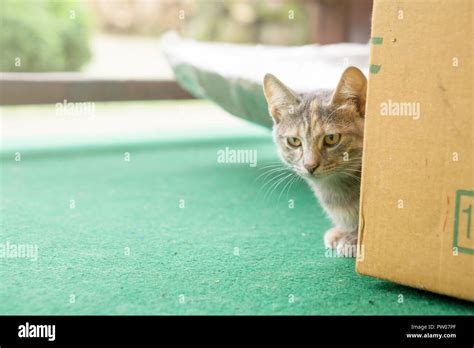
(344, 242)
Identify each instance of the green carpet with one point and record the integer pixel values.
(182, 260)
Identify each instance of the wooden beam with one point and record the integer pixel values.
(333, 21)
(46, 88)
(327, 21)
(359, 21)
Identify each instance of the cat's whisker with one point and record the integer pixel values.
(268, 168)
(296, 180)
(354, 163)
(348, 171)
(357, 170)
(271, 166)
(275, 185)
(271, 169)
(286, 185)
(271, 181)
(273, 162)
(271, 177)
(269, 172)
(265, 192)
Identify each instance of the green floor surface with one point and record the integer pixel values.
(230, 250)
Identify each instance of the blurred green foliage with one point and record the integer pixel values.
(46, 35)
(280, 22)
(249, 21)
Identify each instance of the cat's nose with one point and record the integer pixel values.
(311, 167)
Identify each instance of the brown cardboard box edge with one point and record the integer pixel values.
(411, 58)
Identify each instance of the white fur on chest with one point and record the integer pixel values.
(339, 203)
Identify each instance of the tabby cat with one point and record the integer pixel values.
(319, 136)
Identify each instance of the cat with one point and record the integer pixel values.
(320, 137)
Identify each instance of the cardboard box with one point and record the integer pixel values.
(417, 195)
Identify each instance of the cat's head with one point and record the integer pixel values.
(319, 135)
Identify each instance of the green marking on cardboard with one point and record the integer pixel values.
(466, 229)
(377, 40)
(468, 211)
(374, 69)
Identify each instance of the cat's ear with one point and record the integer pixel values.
(281, 100)
(351, 89)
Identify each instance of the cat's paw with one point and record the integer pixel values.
(344, 242)
(331, 237)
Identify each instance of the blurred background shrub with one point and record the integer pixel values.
(98, 36)
(46, 35)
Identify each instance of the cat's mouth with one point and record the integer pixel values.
(325, 172)
(319, 175)
(334, 172)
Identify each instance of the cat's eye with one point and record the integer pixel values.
(293, 141)
(332, 139)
